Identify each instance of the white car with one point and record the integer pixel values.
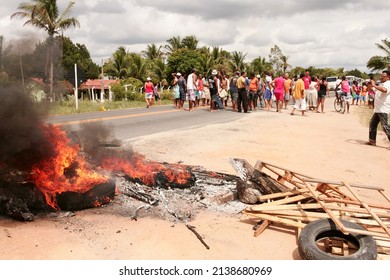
(332, 81)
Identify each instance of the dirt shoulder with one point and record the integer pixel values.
(328, 146)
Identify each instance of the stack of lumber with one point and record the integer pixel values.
(308, 199)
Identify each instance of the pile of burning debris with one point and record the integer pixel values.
(68, 181)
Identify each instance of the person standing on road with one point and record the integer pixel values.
(299, 95)
(242, 100)
(191, 88)
(287, 89)
(234, 90)
(322, 91)
(176, 92)
(381, 108)
(278, 85)
(149, 89)
(213, 86)
(182, 90)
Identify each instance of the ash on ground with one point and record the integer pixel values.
(209, 193)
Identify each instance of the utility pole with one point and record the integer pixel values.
(76, 89)
(102, 91)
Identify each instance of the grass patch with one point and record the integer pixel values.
(87, 106)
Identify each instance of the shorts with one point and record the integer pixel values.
(363, 98)
(300, 104)
(287, 96)
(251, 95)
(234, 96)
(182, 95)
(267, 94)
(201, 94)
(348, 99)
(279, 95)
(149, 95)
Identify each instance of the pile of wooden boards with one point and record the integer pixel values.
(308, 199)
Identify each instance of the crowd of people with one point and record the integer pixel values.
(247, 93)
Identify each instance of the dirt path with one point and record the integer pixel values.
(327, 146)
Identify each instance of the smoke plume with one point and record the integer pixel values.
(22, 143)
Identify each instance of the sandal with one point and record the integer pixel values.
(370, 143)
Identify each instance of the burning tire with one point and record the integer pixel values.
(325, 230)
(99, 195)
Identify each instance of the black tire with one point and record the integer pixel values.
(337, 106)
(317, 230)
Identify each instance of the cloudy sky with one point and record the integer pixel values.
(319, 33)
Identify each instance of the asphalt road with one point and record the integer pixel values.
(132, 123)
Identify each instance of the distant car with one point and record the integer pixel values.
(332, 81)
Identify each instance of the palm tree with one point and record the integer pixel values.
(380, 62)
(174, 44)
(284, 62)
(138, 66)
(237, 61)
(45, 15)
(152, 52)
(259, 65)
(190, 42)
(120, 63)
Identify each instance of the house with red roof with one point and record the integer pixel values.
(94, 87)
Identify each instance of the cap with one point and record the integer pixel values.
(258, 76)
(215, 72)
(148, 79)
(178, 74)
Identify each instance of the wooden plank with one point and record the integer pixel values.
(384, 195)
(266, 206)
(275, 219)
(261, 228)
(380, 213)
(272, 165)
(282, 194)
(340, 183)
(291, 199)
(353, 202)
(330, 213)
(365, 205)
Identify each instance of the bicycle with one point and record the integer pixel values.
(339, 102)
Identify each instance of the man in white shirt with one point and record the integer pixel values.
(381, 108)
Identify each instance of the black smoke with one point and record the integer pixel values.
(22, 140)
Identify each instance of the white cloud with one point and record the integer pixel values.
(310, 32)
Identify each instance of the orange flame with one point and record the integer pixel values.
(146, 171)
(67, 170)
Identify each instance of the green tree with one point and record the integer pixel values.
(119, 64)
(183, 61)
(277, 58)
(285, 64)
(174, 44)
(152, 52)
(190, 42)
(78, 53)
(259, 65)
(138, 67)
(237, 61)
(45, 15)
(380, 62)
